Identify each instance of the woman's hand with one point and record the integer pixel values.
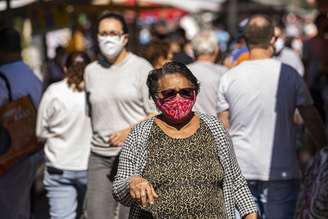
(118, 138)
(142, 191)
(251, 216)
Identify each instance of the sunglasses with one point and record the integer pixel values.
(172, 93)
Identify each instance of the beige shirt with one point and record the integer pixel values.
(118, 98)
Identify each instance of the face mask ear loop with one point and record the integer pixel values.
(122, 39)
(194, 96)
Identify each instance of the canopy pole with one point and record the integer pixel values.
(44, 40)
(8, 5)
(232, 16)
(9, 20)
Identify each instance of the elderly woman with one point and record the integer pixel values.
(180, 164)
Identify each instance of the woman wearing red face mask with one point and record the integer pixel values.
(180, 164)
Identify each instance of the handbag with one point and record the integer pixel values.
(17, 129)
(313, 197)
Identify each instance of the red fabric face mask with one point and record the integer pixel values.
(176, 109)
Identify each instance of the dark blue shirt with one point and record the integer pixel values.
(22, 81)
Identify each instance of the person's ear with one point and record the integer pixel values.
(125, 39)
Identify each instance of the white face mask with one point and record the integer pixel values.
(297, 45)
(279, 44)
(111, 46)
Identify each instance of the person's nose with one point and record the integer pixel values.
(178, 95)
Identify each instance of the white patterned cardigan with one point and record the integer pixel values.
(133, 159)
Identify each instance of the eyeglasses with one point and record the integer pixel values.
(171, 93)
(110, 33)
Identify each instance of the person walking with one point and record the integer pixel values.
(66, 130)
(16, 183)
(118, 99)
(162, 172)
(257, 100)
(284, 54)
(206, 50)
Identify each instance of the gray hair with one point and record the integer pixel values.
(204, 42)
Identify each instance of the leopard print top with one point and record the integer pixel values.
(186, 174)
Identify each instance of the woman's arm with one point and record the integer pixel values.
(48, 116)
(224, 117)
(41, 121)
(126, 169)
(118, 138)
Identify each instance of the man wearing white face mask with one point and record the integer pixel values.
(285, 54)
(118, 99)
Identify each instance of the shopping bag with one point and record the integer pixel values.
(313, 198)
(17, 130)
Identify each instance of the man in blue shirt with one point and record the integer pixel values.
(16, 182)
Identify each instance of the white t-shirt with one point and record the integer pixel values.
(118, 98)
(261, 97)
(65, 127)
(208, 75)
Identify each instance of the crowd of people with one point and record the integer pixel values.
(171, 133)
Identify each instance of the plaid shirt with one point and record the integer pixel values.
(133, 159)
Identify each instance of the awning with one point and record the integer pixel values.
(190, 5)
(15, 4)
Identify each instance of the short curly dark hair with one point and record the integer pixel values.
(169, 68)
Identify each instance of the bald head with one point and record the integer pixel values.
(259, 32)
(259, 21)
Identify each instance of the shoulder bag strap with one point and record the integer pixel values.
(5, 79)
